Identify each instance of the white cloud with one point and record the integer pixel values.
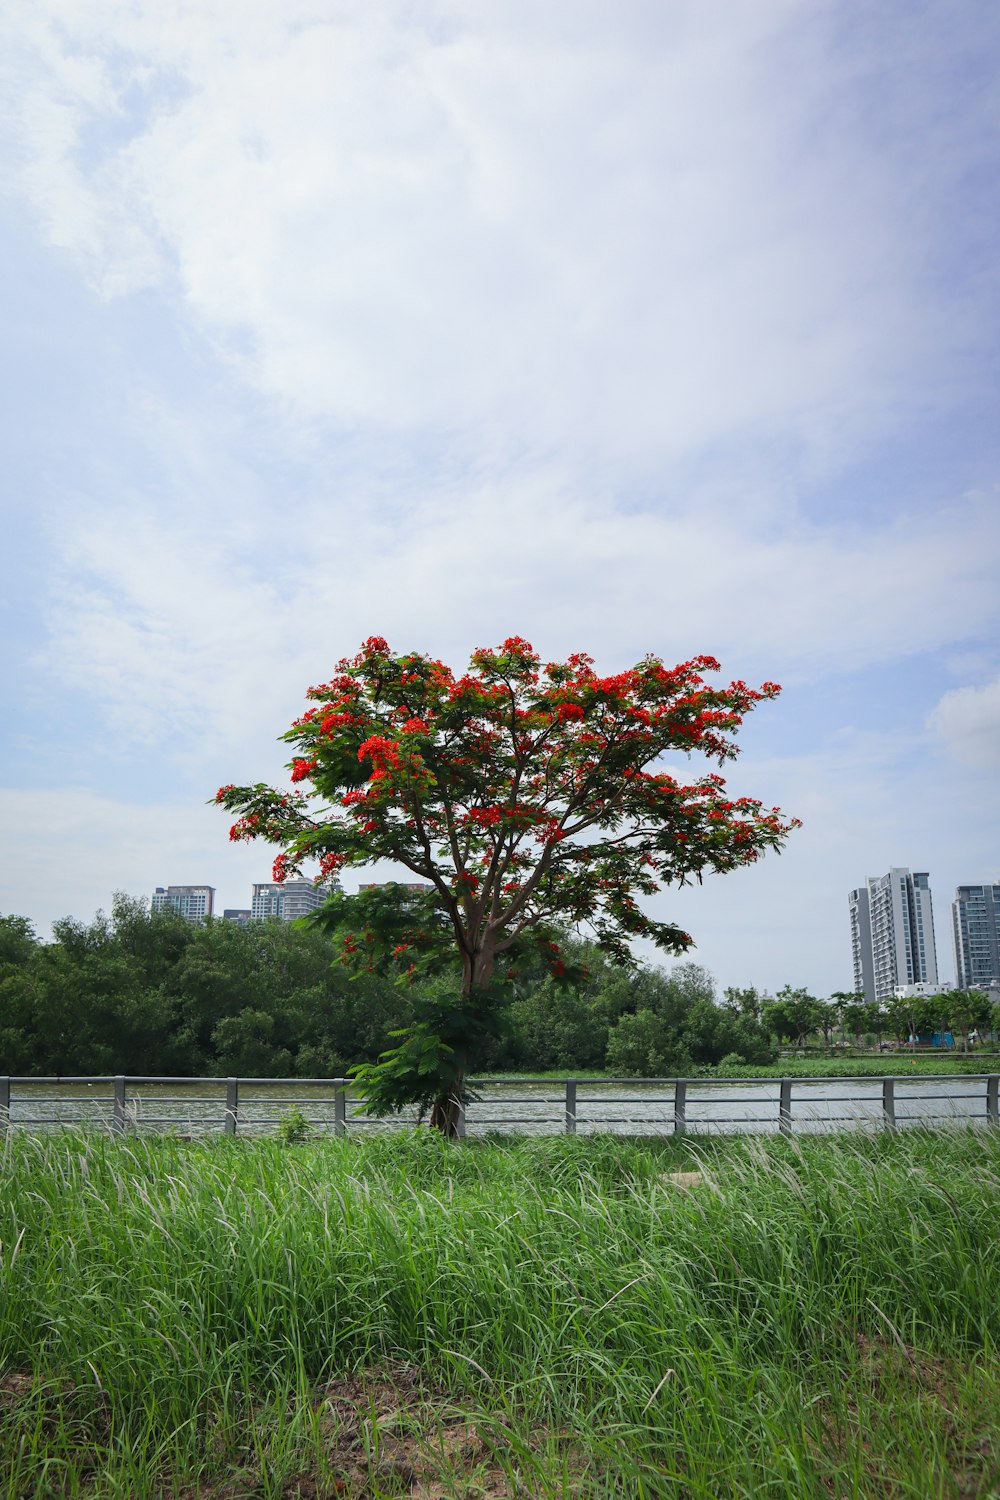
(636, 233)
(967, 721)
(191, 636)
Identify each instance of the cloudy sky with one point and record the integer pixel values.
(660, 325)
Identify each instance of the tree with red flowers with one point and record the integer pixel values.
(528, 797)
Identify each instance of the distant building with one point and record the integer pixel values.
(238, 914)
(290, 899)
(975, 930)
(918, 991)
(861, 943)
(195, 902)
(892, 934)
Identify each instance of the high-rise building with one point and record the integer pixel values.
(975, 930)
(291, 899)
(195, 902)
(861, 943)
(238, 914)
(892, 933)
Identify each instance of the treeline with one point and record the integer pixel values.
(796, 1016)
(141, 992)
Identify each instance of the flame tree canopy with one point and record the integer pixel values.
(526, 795)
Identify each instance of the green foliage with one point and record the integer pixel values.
(389, 929)
(745, 1002)
(147, 992)
(142, 992)
(17, 943)
(733, 1065)
(859, 1017)
(677, 1026)
(793, 1014)
(447, 1037)
(248, 1045)
(293, 1128)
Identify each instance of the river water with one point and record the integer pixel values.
(511, 1105)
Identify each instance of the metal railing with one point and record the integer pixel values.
(540, 1106)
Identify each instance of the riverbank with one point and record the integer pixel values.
(896, 1064)
(564, 1317)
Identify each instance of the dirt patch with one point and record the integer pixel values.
(683, 1180)
(394, 1433)
(17, 1386)
(81, 1410)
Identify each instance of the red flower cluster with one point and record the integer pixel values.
(380, 751)
(245, 828)
(336, 719)
(486, 817)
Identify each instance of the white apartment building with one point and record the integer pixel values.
(861, 943)
(291, 899)
(975, 931)
(195, 902)
(892, 934)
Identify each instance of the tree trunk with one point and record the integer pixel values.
(447, 1112)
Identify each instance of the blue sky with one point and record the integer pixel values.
(664, 327)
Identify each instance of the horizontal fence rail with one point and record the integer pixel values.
(189, 1107)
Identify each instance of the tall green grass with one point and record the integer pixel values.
(812, 1317)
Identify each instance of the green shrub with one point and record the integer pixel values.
(293, 1127)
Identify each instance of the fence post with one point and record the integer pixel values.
(460, 1120)
(571, 1106)
(340, 1111)
(232, 1104)
(889, 1103)
(118, 1118)
(785, 1107)
(5, 1099)
(680, 1105)
(993, 1099)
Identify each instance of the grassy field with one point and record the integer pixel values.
(558, 1317)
